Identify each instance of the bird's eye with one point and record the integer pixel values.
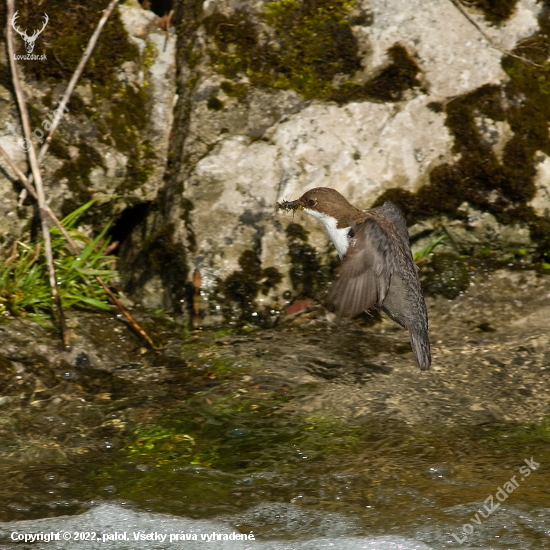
(312, 202)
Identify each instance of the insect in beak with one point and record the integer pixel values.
(288, 206)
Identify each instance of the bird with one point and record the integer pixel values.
(377, 269)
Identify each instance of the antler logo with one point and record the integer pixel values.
(29, 40)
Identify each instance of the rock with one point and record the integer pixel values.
(361, 149)
(190, 139)
(454, 56)
(248, 144)
(541, 201)
(113, 141)
(445, 274)
(482, 230)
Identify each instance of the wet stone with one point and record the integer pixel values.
(333, 417)
(445, 274)
(82, 361)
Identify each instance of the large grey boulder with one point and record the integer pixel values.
(242, 154)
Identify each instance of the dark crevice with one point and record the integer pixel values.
(130, 218)
(160, 7)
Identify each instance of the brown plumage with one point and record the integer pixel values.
(377, 270)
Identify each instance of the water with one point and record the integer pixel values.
(307, 435)
(119, 526)
(115, 521)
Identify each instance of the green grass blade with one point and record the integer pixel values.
(89, 249)
(90, 301)
(70, 219)
(24, 283)
(428, 250)
(99, 272)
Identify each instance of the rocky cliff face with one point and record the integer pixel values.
(407, 101)
(191, 145)
(112, 143)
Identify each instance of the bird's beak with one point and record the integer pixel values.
(288, 206)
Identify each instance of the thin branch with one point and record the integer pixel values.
(168, 21)
(461, 9)
(28, 182)
(76, 75)
(76, 251)
(36, 173)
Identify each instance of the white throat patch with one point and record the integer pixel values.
(338, 236)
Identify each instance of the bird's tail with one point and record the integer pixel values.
(421, 348)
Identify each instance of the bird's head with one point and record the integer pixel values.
(323, 203)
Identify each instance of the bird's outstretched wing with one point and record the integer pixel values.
(364, 276)
(378, 271)
(390, 211)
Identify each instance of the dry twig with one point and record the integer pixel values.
(461, 9)
(36, 173)
(76, 75)
(27, 182)
(23, 179)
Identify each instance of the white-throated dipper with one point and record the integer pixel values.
(377, 270)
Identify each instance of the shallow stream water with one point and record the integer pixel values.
(308, 435)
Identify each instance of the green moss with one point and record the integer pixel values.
(77, 173)
(118, 111)
(64, 39)
(239, 433)
(314, 44)
(124, 126)
(149, 54)
(237, 45)
(496, 11)
(306, 275)
(389, 85)
(126, 115)
(214, 103)
(445, 274)
(243, 286)
(309, 44)
(121, 117)
(234, 90)
(126, 118)
(188, 14)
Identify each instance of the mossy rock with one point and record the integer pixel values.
(496, 11)
(242, 287)
(446, 275)
(66, 35)
(501, 184)
(389, 85)
(306, 275)
(308, 44)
